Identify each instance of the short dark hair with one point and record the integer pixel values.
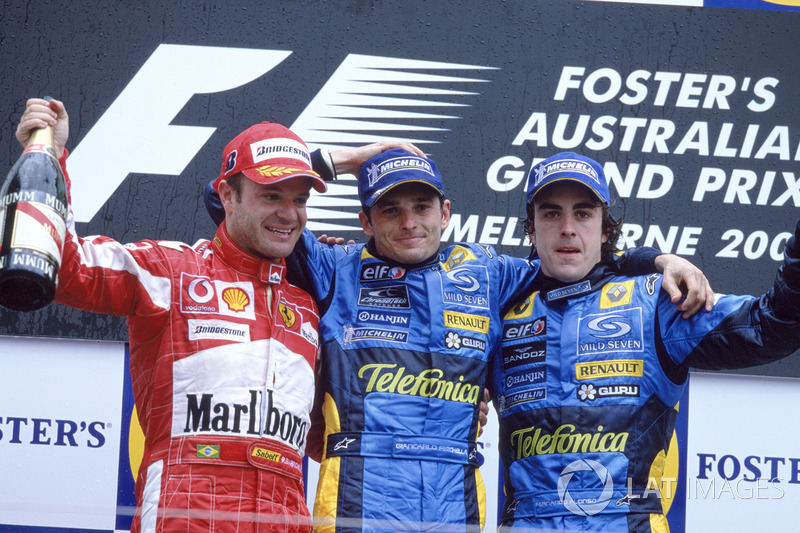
(366, 209)
(235, 183)
(611, 226)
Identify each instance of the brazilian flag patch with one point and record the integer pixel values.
(206, 451)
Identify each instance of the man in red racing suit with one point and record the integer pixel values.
(222, 347)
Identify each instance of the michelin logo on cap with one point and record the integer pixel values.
(375, 171)
(572, 165)
(568, 166)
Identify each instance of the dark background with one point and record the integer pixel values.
(86, 54)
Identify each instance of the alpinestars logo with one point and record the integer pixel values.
(358, 105)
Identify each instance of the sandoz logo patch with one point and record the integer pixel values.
(218, 330)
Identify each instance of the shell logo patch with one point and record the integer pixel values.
(236, 299)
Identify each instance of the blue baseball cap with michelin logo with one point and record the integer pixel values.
(395, 167)
(568, 166)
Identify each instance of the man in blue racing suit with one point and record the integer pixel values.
(406, 330)
(592, 364)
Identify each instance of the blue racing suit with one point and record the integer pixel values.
(405, 351)
(403, 371)
(586, 385)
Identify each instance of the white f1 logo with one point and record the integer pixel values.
(135, 135)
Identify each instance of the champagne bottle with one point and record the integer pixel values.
(33, 212)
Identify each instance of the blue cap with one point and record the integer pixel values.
(568, 166)
(394, 167)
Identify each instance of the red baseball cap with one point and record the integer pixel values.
(268, 153)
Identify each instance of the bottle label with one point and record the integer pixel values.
(35, 196)
(43, 148)
(38, 227)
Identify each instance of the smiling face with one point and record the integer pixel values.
(266, 220)
(407, 223)
(567, 230)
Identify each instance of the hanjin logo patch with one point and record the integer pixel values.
(384, 318)
(526, 377)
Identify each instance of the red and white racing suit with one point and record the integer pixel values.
(222, 355)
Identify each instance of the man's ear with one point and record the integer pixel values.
(445, 214)
(529, 230)
(225, 192)
(366, 225)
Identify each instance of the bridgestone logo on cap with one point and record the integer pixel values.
(571, 165)
(279, 148)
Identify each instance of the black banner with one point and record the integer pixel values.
(692, 110)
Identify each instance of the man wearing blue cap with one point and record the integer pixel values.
(406, 331)
(591, 366)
